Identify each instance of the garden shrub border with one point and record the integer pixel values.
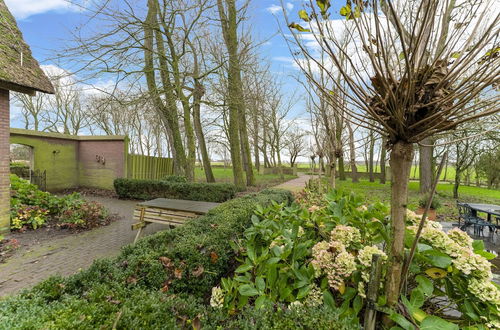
(164, 280)
(150, 189)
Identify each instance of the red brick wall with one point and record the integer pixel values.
(4, 161)
(94, 173)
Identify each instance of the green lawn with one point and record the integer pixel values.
(226, 175)
(374, 191)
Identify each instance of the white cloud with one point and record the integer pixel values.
(22, 9)
(273, 9)
(289, 5)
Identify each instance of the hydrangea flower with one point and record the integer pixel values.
(484, 290)
(332, 259)
(346, 234)
(460, 237)
(217, 298)
(315, 297)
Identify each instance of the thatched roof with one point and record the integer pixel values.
(19, 71)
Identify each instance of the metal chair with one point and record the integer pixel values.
(465, 214)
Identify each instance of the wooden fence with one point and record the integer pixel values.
(149, 167)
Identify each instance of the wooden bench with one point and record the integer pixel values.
(171, 212)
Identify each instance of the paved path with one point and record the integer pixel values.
(67, 255)
(296, 184)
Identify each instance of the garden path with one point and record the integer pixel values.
(297, 184)
(67, 255)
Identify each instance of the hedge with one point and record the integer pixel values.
(163, 281)
(149, 189)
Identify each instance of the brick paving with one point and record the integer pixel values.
(67, 255)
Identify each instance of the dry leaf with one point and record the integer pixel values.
(178, 273)
(213, 257)
(131, 280)
(198, 271)
(196, 323)
(166, 262)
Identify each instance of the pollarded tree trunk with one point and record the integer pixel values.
(400, 162)
(341, 168)
(426, 166)
(382, 160)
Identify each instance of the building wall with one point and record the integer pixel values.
(56, 156)
(72, 161)
(4, 162)
(101, 162)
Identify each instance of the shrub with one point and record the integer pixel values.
(33, 208)
(175, 178)
(435, 204)
(160, 282)
(148, 189)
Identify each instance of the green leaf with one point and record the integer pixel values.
(357, 304)
(251, 252)
(455, 54)
(303, 14)
(346, 10)
(438, 258)
(243, 268)
(433, 322)
(425, 285)
(477, 245)
(303, 292)
(401, 56)
(248, 290)
(272, 274)
(260, 302)
(399, 319)
(328, 300)
(417, 298)
(273, 260)
(298, 27)
(323, 5)
(486, 254)
(260, 284)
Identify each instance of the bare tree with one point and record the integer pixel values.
(416, 89)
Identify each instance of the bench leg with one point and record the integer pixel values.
(138, 234)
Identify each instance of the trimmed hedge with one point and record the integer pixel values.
(149, 189)
(160, 282)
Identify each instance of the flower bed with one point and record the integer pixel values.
(32, 208)
(320, 253)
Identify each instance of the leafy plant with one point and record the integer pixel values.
(435, 204)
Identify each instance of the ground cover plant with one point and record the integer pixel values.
(174, 188)
(31, 208)
(319, 253)
(163, 281)
(7, 247)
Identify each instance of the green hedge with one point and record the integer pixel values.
(149, 189)
(163, 281)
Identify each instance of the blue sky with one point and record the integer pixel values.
(47, 25)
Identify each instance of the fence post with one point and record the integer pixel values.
(372, 293)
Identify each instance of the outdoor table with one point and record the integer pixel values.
(172, 212)
(489, 209)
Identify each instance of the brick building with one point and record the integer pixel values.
(19, 72)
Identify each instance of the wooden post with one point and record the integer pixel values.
(372, 293)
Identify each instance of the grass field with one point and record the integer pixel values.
(226, 175)
(414, 174)
(374, 191)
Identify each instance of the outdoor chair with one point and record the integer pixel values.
(481, 224)
(465, 214)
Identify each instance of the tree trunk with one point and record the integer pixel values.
(229, 31)
(400, 162)
(256, 140)
(370, 159)
(198, 93)
(426, 166)
(382, 160)
(457, 182)
(341, 168)
(352, 154)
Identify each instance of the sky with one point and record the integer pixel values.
(47, 26)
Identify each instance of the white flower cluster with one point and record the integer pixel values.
(365, 256)
(346, 235)
(314, 297)
(333, 260)
(484, 290)
(217, 298)
(458, 245)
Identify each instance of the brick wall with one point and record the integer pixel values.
(101, 162)
(4, 161)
